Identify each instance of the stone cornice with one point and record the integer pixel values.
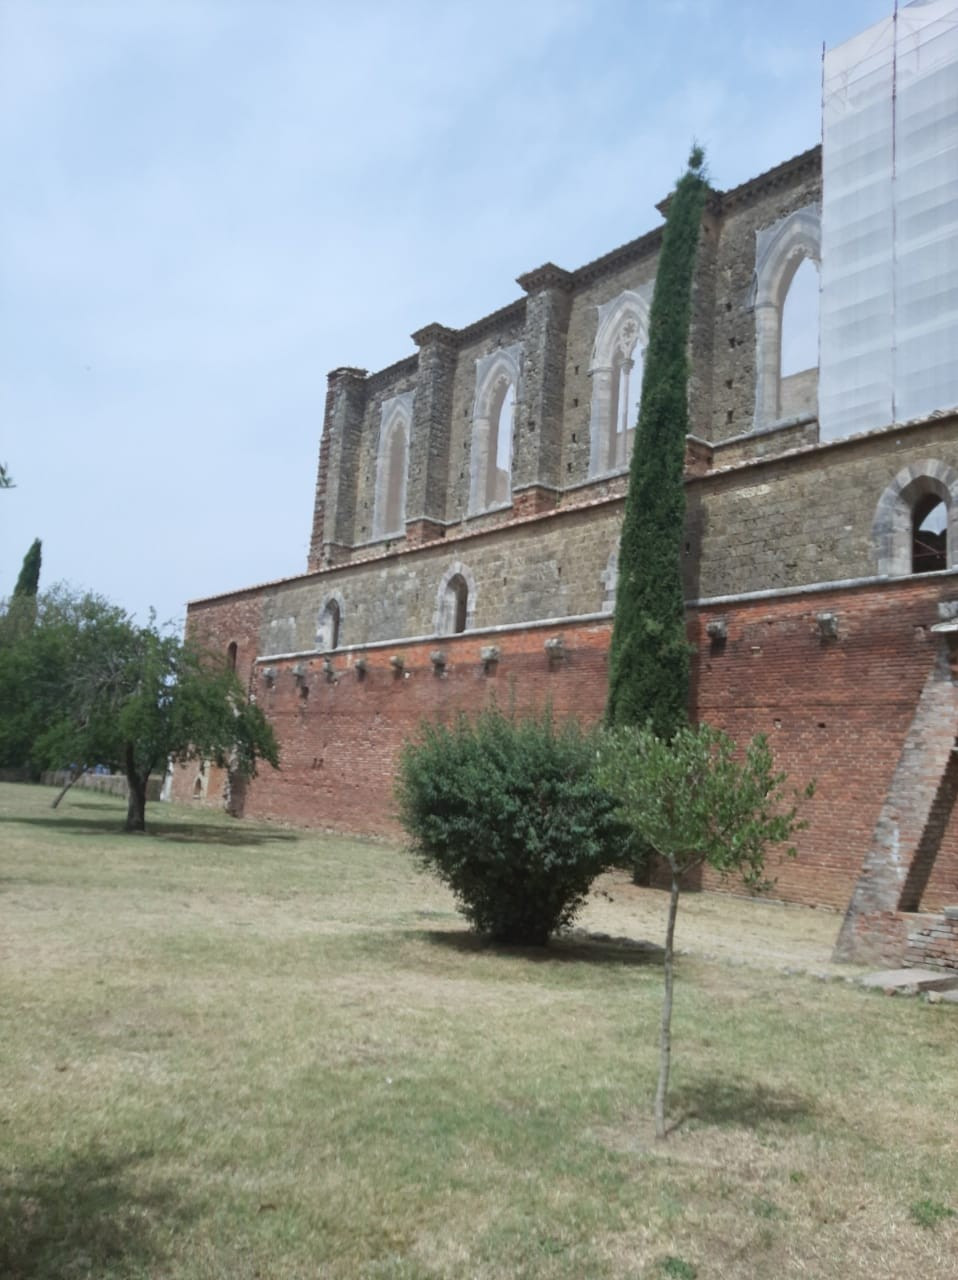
(408, 365)
(548, 276)
(345, 372)
(495, 320)
(643, 247)
(782, 175)
(435, 333)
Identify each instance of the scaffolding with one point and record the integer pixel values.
(889, 280)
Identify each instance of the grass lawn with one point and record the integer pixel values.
(241, 1051)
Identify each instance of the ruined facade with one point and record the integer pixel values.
(464, 546)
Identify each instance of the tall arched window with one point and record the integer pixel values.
(616, 372)
(499, 462)
(392, 464)
(329, 623)
(785, 299)
(493, 425)
(231, 655)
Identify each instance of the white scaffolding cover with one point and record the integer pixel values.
(889, 304)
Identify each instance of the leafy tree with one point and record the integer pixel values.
(130, 697)
(649, 657)
(38, 652)
(507, 812)
(6, 479)
(693, 800)
(28, 583)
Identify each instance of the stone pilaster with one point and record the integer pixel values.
(538, 440)
(335, 512)
(702, 323)
(428, 474)
(907, 823)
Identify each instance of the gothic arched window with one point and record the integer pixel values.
(392, 464)
(785, 299)
(616, 373)
(493, 424)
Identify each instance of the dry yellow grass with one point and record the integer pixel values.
(240, 1051)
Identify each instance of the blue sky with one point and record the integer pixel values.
(208, 204)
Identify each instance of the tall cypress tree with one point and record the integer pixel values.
(28, 582)
(649, 656)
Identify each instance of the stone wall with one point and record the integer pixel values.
(785, 521)
(807, 516)
(555, 326)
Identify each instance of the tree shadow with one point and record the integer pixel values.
(172, 832)
(88, 1215)
(579, 948)
(739, 1103)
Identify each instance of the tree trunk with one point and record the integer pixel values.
(136, 804)
(665, 1036)
(75, 776)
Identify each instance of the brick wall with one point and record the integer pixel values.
(932, 942)
(835, 710)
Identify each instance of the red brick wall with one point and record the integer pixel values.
(339, 744)
(836, 710)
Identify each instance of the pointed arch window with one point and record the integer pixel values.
(785, 299)
(392, 465)
(493, 427)
(329, 623)
(915, 529)
(616, 372)
(455, 601)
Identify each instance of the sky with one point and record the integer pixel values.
(209, 204)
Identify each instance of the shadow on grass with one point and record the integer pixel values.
(580, 948)
(111, 824)
(89, 1216)
(717, 1100)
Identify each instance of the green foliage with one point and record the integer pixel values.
(928, 1213)
(649, 656)
(42, 643)
(695, 799)
(86, 685)
(28, 583)
(507, 812)
(677, 1268)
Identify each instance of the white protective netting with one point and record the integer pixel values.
(889, 302)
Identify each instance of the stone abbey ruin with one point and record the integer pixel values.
(469, 499)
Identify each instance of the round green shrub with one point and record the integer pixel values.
(508, 813)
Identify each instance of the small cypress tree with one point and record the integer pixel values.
(28, 582)
(649, 656)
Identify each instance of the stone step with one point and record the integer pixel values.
(911, 981)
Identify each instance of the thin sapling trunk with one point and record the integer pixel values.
(75, 776)
(665, 1036)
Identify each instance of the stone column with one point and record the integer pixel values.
(335, 511)
(536, 467)
(428, 472)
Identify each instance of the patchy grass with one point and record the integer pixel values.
(243, 1051)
